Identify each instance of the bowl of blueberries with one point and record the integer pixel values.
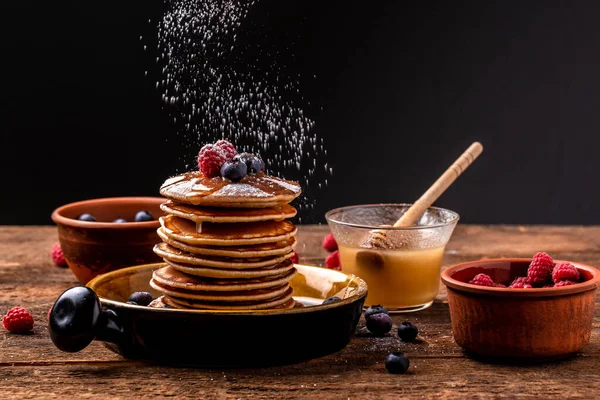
(106, 234)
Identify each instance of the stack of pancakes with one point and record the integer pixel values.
(227, 245)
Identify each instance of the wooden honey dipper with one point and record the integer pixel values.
(377, 238)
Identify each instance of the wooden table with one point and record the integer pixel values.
(31, 367)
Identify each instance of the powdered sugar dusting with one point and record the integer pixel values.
(240, 190)
(284, 184)
(217, 83)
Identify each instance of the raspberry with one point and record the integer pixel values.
(329, 243)
(18, 320)
(482, 280)
(499, 285)
(565, 272)
(227, 148)
(521, 282)
(564, 283)
(294, 257)
(57, 255)
(333, 261)
(540, 268)
(210, 160)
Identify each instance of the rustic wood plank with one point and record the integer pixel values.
(427, 378)
(30, 366)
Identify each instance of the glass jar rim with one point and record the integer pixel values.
(328, 216)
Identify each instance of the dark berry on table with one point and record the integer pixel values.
(234, 170)
(396, 363)
(253, 162)
(143, 216)
(87, 217)
(141, 298)
(331, 299)
(120, 220)
(379, 324)
(132, 302)
(407, 331)
(376, 309)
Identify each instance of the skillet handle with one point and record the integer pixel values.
(77, 318)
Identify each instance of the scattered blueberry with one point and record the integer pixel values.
(234, 170)
(120, 220)
(379, 324)
(253, 162)
(140, 298)
(407, 331)
(143, 216)
(376, 309)
(331, 299)
(396, 363)
(87, 217)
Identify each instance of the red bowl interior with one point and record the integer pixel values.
(504, 272)
(106, 210)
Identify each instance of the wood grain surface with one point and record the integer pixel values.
(31, 367)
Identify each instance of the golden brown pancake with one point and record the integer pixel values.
(220, 215)
(226, 234)
(175, 280)
(244, 251)
(285, 300)
(258, 295)
(221, 273)
(253, 191)
(171, 253)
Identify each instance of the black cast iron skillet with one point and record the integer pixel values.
(98, 311)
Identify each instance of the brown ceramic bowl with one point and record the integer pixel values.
(93, 248)
(528, 324)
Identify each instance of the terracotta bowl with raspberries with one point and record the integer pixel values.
(101, 235)
(529, 309)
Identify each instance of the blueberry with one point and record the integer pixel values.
(87, 217)
(132, 302)
(331, 299)
(119, 220)
(396, 363)
(376, 309)
(379, 324)
(140, 298)
(253, 162)
(143, 216)
(234, 170)
(407, 331)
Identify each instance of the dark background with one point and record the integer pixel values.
(404, 88)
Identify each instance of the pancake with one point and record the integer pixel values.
(221, 273)
(284, 301)
(219, 215)
(171, 253)
(166, 302)
(253, 191)
(226, 234)
(175, 280)
(255, 296)
(245, 251)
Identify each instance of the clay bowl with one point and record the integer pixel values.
(98, 311)
(93, 248)
(519, 324)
